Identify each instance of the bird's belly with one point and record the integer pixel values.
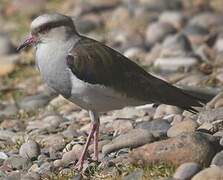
(97, 97)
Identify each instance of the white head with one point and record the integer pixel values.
(50, 27)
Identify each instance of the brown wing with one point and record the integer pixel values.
(93, 62)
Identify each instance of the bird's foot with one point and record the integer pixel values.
(95, 158)
(79, 165)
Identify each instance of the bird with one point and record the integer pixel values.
(93, 75)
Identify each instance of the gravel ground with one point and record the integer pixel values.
(42, 134)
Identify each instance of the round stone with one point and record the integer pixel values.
(187, 170)
(30, 150)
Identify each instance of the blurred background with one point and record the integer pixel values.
(180, 41)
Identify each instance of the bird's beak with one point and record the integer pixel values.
(28, 42)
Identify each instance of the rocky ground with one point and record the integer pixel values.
(42, 134)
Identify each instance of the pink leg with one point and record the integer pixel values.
(96, 133)
(80, 162)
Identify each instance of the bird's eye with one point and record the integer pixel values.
(44, 30)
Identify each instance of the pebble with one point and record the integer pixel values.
(6, 135)
(45, 169)
(49, 123)
(193, 147)
(6, 46)
(219, 133)
(221, 141)
(135, 175)
(175, 63)
(212, 173)
(26, 7)
(214, 101)
(157, 31)
(34, 102)
(31, 176)
(100, 145)
(218, 159)
(88, 23)
(186, 126)
(219, 44)
(17, 162)
(8, 111)
(158, 127)
(3, 155)
(132, 139)
(196, 34)
(55, 142)
(177, 45)
(163, 110)
(210, 115)
(187, 170)
(73, 155)
(8, 64)
(121, 126)
(193, 79)
(160, 5)
(205, 20)
(175, 18)
(30, 150)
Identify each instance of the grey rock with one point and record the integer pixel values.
(172, 64)
(17, 162)
(49, 123)
(176, 45)
(195, 30)
(45, 168)
(30, 150)
(160, 5)
(182, 127)
(158, 127)
(212, 173)
(210, 115)
(8, 111)
(163, 110)
(157, 31)
(88, 23)
(135, 175)
(187, 170)
(31, 176)
(34, 102)
(73, 155)
(219, 133)
(219, 44)
(132, 139)
(3, 155)
(218, 159)
(176, 18)
(6, 46)
(28, 8)
(221, 141)
(100, 145)
(55, 142)
(14, 175)
(122, 125)
(206, 19)
(6, 135)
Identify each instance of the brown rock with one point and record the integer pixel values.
(100, 145)
(184, 126)
(195, 147)
(212, 173)
(134, 138)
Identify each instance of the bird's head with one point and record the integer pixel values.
(49, 27)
